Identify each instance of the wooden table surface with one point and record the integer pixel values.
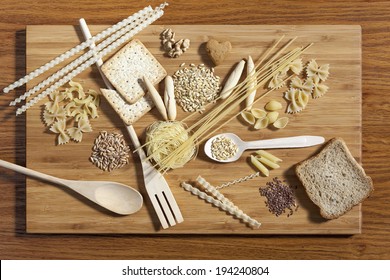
(373, 243)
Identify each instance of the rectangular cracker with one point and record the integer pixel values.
(129, 113)
(125, 70)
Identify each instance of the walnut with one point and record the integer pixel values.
(173, 49)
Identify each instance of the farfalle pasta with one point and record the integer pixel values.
(296, 66)
(59, 128)
(76, 133)
(72, 106)
(319, 89)
(314, 70)
(305, 86)
(277, 81)
(298, 100)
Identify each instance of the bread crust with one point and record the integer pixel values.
(356, 165)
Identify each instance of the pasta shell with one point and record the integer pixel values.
(261, 123)
(273, 105)
(272, 117)
(258, 113)
(248, 117)
(281, 123)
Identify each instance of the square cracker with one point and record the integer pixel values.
(129, 113)
(126, 68)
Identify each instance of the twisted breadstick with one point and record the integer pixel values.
(74, 51)
(227, 207)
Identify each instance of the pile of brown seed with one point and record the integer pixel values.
(280, 197)
(195, 87)
(110, 151)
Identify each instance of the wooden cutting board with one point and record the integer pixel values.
(51, 209)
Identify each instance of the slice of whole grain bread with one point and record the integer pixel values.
(334, 180)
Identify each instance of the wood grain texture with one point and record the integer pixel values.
(338, 113)
(373, 243)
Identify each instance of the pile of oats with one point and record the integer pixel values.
(195, 87)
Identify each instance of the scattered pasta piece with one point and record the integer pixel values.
(248, 117)
(273, 105)
(262, 159)
(50, 118)
(59, 128)
(281, 123)
(259, 166)
(313, 69)
(272, 116)
(277, 81)
(76, 133)
(296, 66)
(298, 100)
(306, 87)
(261, 123)
(268, 155)
(318, 89)
(258, 113)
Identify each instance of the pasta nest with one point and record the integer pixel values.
(165, 137)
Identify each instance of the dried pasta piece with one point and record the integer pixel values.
(298, 100)
(91, 110)
(277, 81)
(95, 96)
(296, 66)
(313, 69)
(53, 106)
(306, 86)
(223, 203)
(50, 118)
(258, 113)
(76, 88)
(261, 123)
(59, 128)
(248, 117)
(83, 125)
(259, 166)
(281, 123)
(57, 96)
(272, 116)
(318, 89)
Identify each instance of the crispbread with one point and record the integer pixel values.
(128, 66)
(129, 113)
(334, 180)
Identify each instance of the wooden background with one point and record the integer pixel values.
(373, 243)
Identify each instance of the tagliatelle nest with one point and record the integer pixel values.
(164, 137)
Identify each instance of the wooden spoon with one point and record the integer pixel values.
(116, 197)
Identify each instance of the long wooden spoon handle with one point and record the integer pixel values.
(30, 172)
